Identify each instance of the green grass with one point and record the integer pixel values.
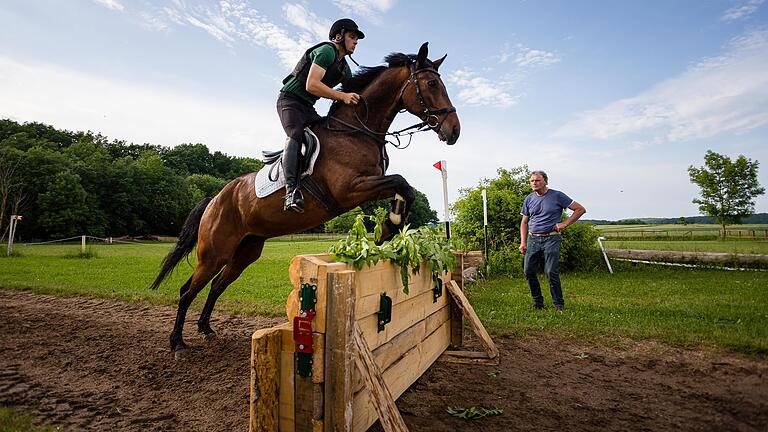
(727, 246)
(682, 307)
(15, 421)
(125, 272)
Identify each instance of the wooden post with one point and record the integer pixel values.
(265, 378)
(339, 359)
(457, 318)
(82, 244)
(474, 321)
(383, 402)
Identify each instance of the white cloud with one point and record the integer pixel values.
(132, 111)
(111, 4)
(502, 90)
(299, 16)
(230, 21)
(742, 11)
(728, 93)
(370, 9)
(527, 57)
(479, 91)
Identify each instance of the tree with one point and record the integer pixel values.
(728, 188)
(343, 223)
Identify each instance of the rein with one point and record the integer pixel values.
(430, 119)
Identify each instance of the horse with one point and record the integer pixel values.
(230, 229)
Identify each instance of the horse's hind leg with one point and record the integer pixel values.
(204, 272)
(247, 252)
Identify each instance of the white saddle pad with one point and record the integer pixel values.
(265, 186)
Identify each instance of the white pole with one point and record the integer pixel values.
(11, 230)
(600, 241)
(485, 227)
(82, 244)
(444, 172)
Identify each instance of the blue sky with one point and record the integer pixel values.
(614, 99)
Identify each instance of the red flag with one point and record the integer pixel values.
(438, 165)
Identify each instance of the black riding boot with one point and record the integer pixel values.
(293, 198)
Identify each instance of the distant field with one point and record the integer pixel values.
(727, 246)
(691, 231)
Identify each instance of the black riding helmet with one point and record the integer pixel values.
(342, 25)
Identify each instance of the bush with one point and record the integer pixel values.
(579, 250)
(506, 261)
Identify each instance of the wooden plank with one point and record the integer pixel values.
(394, 350)
(400, 375)
(339, 364)
(384, 404)
(457, 318)
(468, 357)
(474, 321)
(287, 371)
(368, 303)
(311, 269)
(404, 315)
(265, 369)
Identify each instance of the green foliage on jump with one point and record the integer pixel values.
(409, 249)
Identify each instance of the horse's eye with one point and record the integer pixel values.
(432, 83)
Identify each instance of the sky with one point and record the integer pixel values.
(613, 99)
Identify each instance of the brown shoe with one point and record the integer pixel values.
(537, 306)
(558, 309)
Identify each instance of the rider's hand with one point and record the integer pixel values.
(350, 98)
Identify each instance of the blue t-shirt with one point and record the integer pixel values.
(545, 211)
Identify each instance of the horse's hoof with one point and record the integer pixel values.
(181, 354)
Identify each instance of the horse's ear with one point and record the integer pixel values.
(421, 58)
(439, 61)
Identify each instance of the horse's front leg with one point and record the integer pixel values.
(371, 188)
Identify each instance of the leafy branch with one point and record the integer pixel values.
(472, 413)
(409, 248)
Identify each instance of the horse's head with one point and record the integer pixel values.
(424, 95)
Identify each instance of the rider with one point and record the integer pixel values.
(321, 68)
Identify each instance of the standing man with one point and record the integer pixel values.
(320, 69)
(540, 236)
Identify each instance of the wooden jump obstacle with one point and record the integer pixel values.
(360, 362)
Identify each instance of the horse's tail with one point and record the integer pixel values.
(185, 243)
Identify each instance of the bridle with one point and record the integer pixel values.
(430, 119)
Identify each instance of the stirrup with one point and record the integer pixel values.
(294, 203)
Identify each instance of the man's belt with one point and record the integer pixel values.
(547, 234)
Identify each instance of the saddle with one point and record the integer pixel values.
(269, 181)
(309, 146)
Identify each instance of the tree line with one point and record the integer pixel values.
(72, 183)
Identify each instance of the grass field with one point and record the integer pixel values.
(683, 307)
(12, 420)
(125, 271)
(726, 246)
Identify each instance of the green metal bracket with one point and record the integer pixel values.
(437, 290)
(308, 296)
(303, 329)
(385, 312)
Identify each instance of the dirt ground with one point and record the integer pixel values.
(84, 364)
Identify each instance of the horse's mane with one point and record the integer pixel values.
(363, 77)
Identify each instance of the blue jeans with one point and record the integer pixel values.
(547, 248)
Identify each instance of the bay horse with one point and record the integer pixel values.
(231, 228)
